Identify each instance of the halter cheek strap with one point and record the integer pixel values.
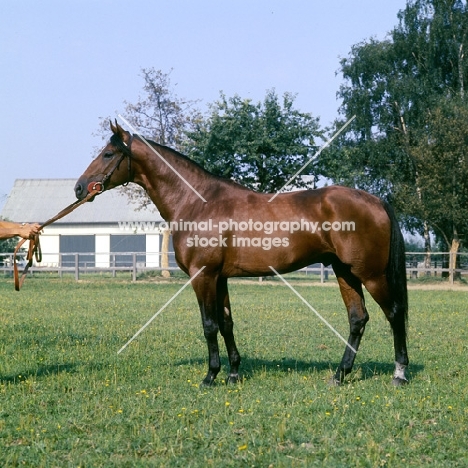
(126, 154)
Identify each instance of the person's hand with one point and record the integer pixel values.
(28, 231)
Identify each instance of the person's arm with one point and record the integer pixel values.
(26, 231)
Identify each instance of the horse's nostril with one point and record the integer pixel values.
(78, 190)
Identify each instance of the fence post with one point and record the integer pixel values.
(10, 272)
(77, 267)
(165, 253)
(322, 271)
(134, 271)
(452, 266)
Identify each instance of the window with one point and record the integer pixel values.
(127, 245)
(84, 246)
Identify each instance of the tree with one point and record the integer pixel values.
(442, 163)
(159, 115)
(8, 245)
(406, 91)
(259, 145)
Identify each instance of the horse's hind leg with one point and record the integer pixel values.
(353, 297)
(395, 311)
(226, 327)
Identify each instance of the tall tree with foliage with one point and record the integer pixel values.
(259, 145)
(442, 161)
(7, 246)
(160, 115)
(402, 90)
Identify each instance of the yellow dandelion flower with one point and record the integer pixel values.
(242, 447)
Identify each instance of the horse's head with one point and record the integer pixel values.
(106, 170)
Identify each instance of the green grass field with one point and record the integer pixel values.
(68, 399)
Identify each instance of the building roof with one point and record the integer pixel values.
(37, 200)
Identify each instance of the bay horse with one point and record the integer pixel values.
(226, 230)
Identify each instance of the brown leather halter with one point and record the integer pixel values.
(94, 188)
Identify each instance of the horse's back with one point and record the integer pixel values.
(311, 226)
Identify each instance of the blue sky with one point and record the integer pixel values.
(66, 63)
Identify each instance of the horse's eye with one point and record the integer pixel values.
(108, 154)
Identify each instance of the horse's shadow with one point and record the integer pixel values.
(371, 369)
(251, 367)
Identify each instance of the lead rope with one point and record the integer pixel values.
(94, 188)
(34, 243)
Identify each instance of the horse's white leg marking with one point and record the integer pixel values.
(399, 371)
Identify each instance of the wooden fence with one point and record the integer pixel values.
(77, 264)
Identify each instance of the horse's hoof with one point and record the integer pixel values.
(207, 382)
(398, 382)
(233, 379)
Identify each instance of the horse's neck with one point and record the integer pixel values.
(170, 180)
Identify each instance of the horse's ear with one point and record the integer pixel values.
(113, 127)
(117, 130)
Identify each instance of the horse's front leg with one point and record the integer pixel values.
(226, 327)
(205, 289)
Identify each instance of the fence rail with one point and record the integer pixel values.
(417, 264)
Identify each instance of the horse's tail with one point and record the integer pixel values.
(396, 271)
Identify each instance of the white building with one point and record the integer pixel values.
(100, 231)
